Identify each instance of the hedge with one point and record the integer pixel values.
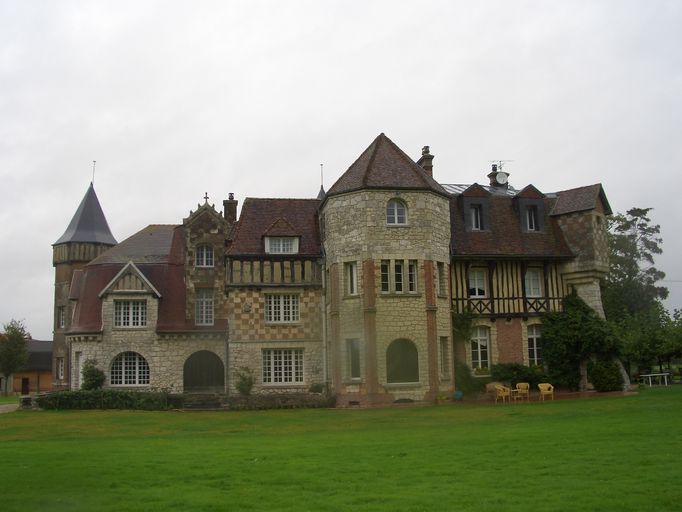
(110, 399)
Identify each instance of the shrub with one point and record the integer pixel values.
(466, 382)
(93, 377)
(280, 401)
(514, 372)
(605, 376)
(245, 381)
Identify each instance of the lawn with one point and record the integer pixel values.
(11, 399)
(614, 453)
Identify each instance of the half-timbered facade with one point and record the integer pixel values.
(354, 290)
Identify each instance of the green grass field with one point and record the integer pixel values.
(9, 399)
(615, 453)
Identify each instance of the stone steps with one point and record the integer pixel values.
(202, 402)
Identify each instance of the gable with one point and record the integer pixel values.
(280, 227)
(130, 280)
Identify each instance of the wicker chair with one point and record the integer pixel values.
(502, 392)
(522, 391)
(546, 389)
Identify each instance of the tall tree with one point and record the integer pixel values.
(13, 350)
(631, 286)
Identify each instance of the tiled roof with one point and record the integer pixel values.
(39, 355)
(581, 199)
(88, 223)
(383, 165)
(285, 217)
(150, 245)
(505, 237)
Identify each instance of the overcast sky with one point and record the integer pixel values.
(175, 99)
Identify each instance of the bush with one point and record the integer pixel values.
(514, 372)
(245, 381)
(93, 377)
(280, 401)
(605, 376)
(466, 382)
(109, 399)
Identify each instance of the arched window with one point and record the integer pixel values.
(204, 256)
(396, 212)
(129, 369)
(480, 343)
(534, 344)
(402, 362)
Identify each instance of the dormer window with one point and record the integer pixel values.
(476, 217)
(204, 257)
(532, 221)
(396, 213)
(281, 245)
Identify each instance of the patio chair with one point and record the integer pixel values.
(522, 391)
(546, 389)
(502, 392)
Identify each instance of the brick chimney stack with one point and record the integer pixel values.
(426, 161)
(230, 209)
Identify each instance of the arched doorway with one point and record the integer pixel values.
(204, 372)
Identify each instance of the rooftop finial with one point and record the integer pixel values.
(322, 175)
(206, 197)
(93, 171)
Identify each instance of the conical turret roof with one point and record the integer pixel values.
(383, 165)
(89, 223)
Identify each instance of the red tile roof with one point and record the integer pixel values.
(383, 165)
(505, 237)
(581, 199)
(276, 217)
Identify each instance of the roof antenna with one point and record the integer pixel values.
(93, 171)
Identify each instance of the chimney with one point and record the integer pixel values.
(426, 161)
(230, 209)
(498, 178)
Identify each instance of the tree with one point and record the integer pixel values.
(13, 351)
(630, 287)
(571, 337)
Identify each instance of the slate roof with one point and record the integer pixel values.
(276, 217)
(383, 165)
(88, 223)
(150, 245)
(581, 199)
(39, 355)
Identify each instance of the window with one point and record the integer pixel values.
(533, 282)
(352, 278)
(129, 369)
(396, 212)
(479, 347)
(281, 245)
(476, 217)
(353, 354)
(534, 344)
(402, 362)
(532, 218)
(61, 317)
(204, 307)
(283, 366)
(477, 286)
(399, 276)
(281, 309)
(442, 280)
(412, 276)
(204, 257)
(130, 313)
(60, 368)
(385, 269)
(444, 357)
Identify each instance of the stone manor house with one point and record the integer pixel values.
(355, 289)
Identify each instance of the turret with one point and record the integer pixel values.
(86, 237)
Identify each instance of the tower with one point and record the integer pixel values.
(87, 236)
